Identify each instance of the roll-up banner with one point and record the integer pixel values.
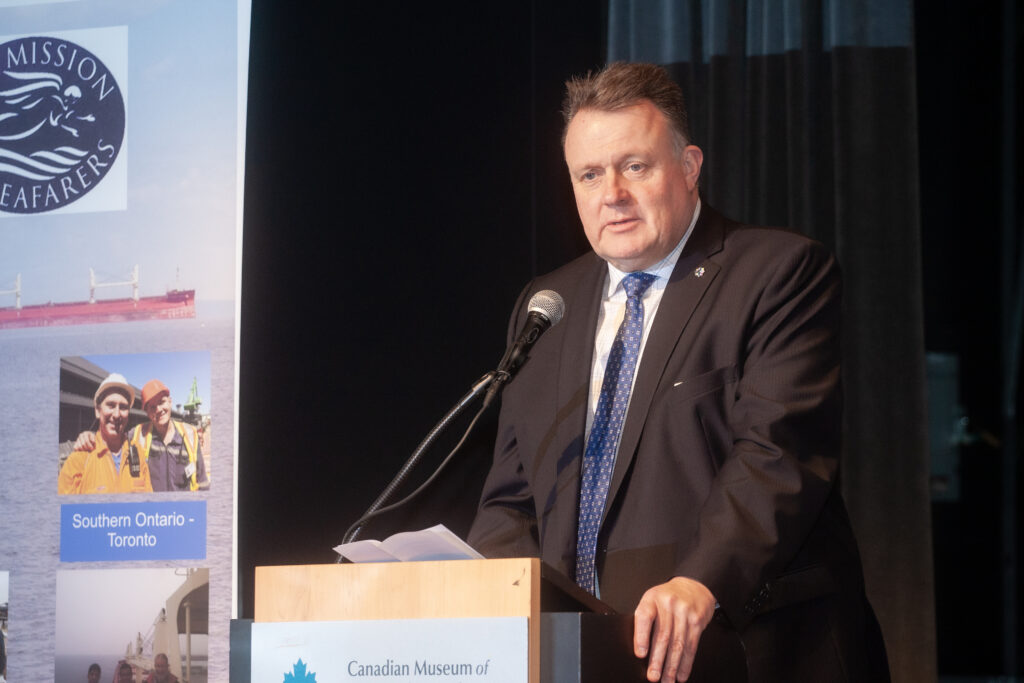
(122, 129)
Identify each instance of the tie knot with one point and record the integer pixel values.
(636, 284)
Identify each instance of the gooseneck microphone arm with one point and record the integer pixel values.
(545, 310)
(417, 455)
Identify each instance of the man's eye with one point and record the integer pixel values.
(588, 176)
(635, 167)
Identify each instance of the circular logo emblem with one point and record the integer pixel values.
(61, 123)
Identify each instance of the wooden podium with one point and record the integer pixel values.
(571, 635)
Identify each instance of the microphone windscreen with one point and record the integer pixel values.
(548, 303)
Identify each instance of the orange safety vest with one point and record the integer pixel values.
(94, 472)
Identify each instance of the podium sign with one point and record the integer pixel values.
(482, 618)
(484, 650)
(393, 592)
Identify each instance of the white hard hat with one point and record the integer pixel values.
(115, 381)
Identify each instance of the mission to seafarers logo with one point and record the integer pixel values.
(62, 122)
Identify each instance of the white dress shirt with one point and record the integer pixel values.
(613, 310)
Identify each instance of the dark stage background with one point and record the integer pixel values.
(404, 181)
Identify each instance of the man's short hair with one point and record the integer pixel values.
(624, 84)
(94, 667)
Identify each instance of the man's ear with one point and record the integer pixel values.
(693, 159)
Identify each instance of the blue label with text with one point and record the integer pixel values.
(98, 532)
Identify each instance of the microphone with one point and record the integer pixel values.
(546, 308)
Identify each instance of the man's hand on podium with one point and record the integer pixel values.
(668, 623)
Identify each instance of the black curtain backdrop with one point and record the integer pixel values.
(404, 181)
(970, 72)
(806, 113)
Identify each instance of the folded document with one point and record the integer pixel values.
(435, 543)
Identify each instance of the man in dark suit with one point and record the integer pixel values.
(693, 388)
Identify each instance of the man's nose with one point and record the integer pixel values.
(615, 191)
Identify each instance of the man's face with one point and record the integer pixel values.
(160, 666)
(634, 192)
(112, 413)
(159, 412)
(124, 675)
(94, 676)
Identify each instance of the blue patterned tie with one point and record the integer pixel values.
(599, 458)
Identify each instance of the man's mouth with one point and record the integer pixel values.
(621, 223)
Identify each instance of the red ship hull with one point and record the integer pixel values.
(171, 306)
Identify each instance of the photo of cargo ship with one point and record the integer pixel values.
(133, 616)
(174, 304)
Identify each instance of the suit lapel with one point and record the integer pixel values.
(691, 277)
(577, 344)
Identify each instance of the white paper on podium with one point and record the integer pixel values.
(435, 543)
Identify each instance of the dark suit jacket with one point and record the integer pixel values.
(726, 471)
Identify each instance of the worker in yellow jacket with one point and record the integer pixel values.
(171, 447)
(107, 465)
